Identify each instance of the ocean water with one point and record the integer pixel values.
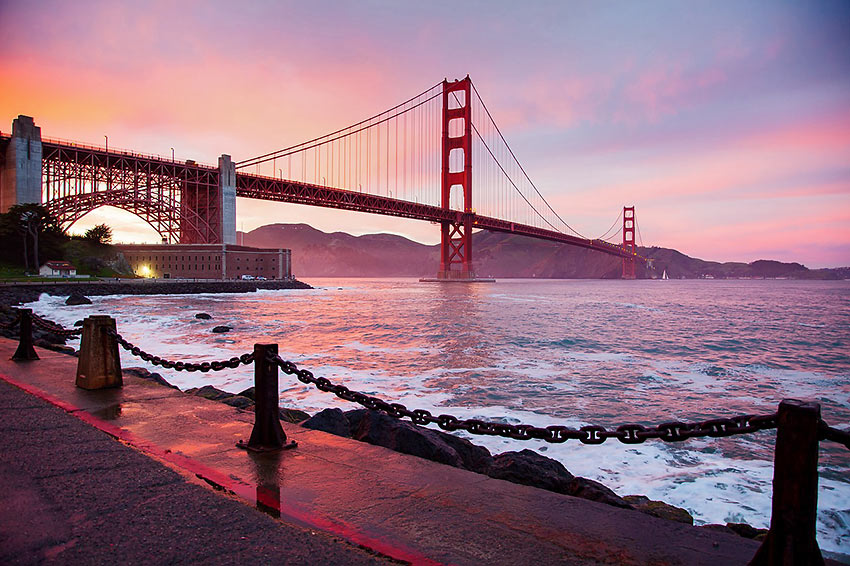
(547, 352)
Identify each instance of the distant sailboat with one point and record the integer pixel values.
(664, 275)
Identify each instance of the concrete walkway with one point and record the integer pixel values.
(396, 505)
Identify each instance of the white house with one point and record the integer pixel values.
(57, 269)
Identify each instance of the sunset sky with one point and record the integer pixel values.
(726, 124)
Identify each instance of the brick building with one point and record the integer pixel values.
(207, 261)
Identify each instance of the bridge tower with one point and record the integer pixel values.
(456, 235)
(629, 241)
(20, 175)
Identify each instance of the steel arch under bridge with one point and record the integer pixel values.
(179, 200)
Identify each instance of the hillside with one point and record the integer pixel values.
(319, 254)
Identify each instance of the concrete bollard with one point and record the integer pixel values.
(791, 539)
(99, 365)
(25, 350)
(267, 435)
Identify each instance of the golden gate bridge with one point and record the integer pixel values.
(415, 160)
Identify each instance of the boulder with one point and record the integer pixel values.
(530, 468)
(77, 299)
(209, 392)
(222, 329)
(150, 376)
(293, 415)
(595, 491)
(237, 401)
(747, 531)
(41, 337)
(78, 323)
(56, 347)
(329, 420)
(203, 316)
(402, 436)
(659, 509)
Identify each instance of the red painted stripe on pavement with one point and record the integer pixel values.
(250, 492)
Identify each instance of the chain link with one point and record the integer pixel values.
(834, 434)
(54, 327)
(204, 367)
(591, 434)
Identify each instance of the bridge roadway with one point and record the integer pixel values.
(269, 188)
(121, 171)
(74, 495)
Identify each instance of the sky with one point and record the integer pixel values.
(725, 123)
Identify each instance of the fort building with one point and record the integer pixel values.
(207, 261)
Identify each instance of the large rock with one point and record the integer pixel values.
(77, 299)
(203, 316)
(402, 436)
(209, 392)
(747, 531)
(530, 468)
(222, 329)
(150, 376)
(237, 401)
(660, 509)
(329, 420)
(293, 415)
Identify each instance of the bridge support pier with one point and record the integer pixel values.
(20, 179)
(227, 192)
(208, 206)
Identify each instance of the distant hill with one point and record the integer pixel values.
(319, 254)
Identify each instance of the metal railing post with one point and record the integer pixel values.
(267, 435)
(791, 539)
(99, 365)
(25, 350)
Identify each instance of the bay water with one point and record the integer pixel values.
(550, 352)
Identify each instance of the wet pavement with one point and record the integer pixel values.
(61, 464)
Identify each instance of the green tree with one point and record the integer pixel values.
(35, 231)
(102, 234)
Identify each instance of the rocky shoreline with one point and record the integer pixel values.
(15, 294)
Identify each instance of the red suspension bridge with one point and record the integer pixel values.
(415, 160)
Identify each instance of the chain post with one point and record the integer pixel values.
(791, 539)
(267, 435)
(25, 350)
(99, 365)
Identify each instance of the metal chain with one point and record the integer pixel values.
(627, 433)
(54, 327)
(834, 434)
(204, 367)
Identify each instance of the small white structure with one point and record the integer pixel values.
(57, 269)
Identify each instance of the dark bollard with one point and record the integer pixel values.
(791, 539)
(99, 365)
(268, 435)
(25, 351)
